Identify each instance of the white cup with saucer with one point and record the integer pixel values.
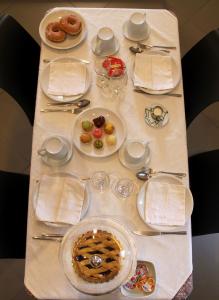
(134, 154)
(105, 43)
(136, 27)
(55, 150)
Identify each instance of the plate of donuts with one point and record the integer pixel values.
(62, 28)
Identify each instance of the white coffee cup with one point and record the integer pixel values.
(105, 41)
(54, 147)
(135, 151)
(137, 26)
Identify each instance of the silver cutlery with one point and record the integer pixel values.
(49, 237)
(147, 173)
(144, 46)
(140, 50)
(72, 111)
(47, 60)
(56, 237)
(138, 90)
(154, 233)
(79, 103)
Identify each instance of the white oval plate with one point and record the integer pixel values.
(175, 70)
(141, 201)
(54, 16)
(110, 116)
(85, 204)
(44, 80)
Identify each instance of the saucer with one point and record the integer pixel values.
(131, 38)
(153, 122)
(133, 166)
(57, 163)
(106, 53)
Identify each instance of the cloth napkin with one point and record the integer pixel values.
(165, 204)
(66, 79)
(60, 199)
(153, 71)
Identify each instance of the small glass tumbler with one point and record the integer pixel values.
(100, 180)
(123, 188)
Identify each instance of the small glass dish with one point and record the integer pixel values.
(111, 76)
(143, 281)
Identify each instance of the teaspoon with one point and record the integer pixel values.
(139, 50)
(145, 174)
(135, 50)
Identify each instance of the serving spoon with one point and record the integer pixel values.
(147, 173)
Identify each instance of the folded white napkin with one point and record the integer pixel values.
(66, 79)
(60, 199)
(165, 204)
(153, 71)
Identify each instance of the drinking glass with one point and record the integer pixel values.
(123, 188)
(100, 180)
(117, 85)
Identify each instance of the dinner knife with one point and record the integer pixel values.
(154, 233)
(138, 90)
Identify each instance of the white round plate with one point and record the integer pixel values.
(54, 16)
(106, 53)
(57, 163)
(128, 255)
(110, 116)
(44, 80)
(175, 72)
(86, 202)
(132, 166)
(165, 179)
(131, 38)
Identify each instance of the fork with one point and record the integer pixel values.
(73, 111)
(143, 46)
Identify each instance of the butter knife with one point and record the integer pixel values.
(73, 111)
(154, 233)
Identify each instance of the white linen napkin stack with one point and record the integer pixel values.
(153, 72)
(165, 204)
(60, 199)
(67, 78)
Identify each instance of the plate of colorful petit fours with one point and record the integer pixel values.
(99, 132)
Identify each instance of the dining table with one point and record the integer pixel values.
(170, 254)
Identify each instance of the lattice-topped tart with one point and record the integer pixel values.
(96, 256)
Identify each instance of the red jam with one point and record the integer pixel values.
(114, 66)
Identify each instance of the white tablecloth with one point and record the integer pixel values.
(44, 277)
